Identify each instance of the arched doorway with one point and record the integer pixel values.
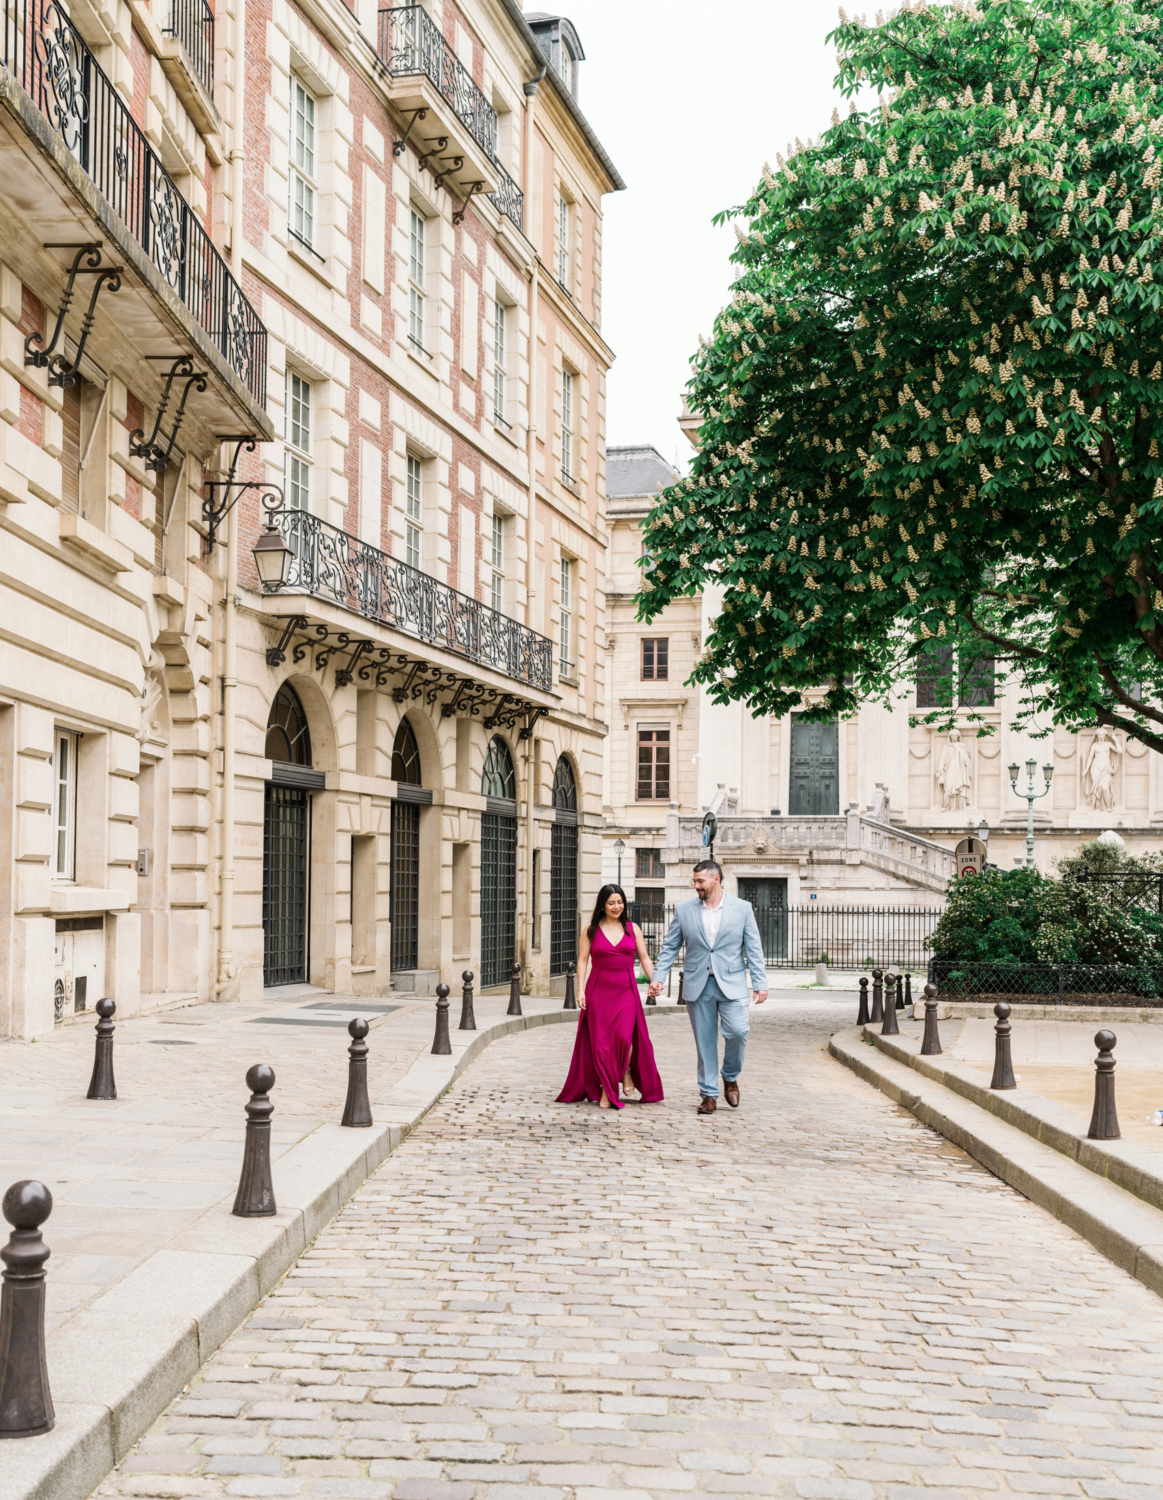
(404, 903)
(563, 870)
(498, 864)
(286, 842)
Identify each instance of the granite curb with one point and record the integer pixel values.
(1110, 1192)
(116, 1365)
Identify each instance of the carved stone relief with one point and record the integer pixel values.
(955, 775)
(1099, 769)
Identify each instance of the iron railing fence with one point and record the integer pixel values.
(1048, 984)
(331, 564)
(509, 199)
(48, 57)
(1127, 889)
(192, 22)
(843, 937)
(410, 43)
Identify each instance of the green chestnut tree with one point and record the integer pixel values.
(932, 410)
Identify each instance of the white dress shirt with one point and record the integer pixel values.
(712, 921)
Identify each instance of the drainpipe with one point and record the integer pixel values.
(530, 90)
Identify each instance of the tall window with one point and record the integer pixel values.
(654, 765)
(655, 659)
(565, 622)
(940, 666)
(416, 293)
(302, 177)
(648, 864)
(566, 425)
(413, 512)
(563, 240)
(497, 562)
(64, 805)
(499, 331)
(298, 440)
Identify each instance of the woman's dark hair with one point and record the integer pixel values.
(599, 915)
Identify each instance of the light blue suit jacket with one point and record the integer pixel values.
(737, 949)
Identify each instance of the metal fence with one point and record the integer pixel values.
(192, 22)
(411, 43)
(1048, 984)
(843, 937)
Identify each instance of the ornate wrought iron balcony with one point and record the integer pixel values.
(45, 52)
(192, 22)
(330, 564)
(510, 199)
(411, 43)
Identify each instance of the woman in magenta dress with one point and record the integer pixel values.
(613, 1042)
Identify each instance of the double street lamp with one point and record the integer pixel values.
(1031, 797)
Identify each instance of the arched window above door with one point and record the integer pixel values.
(498, 778)
(406, 756)
(564, 786)
(288, 738)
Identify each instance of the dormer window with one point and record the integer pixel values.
(561, 45)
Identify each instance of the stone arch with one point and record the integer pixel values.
(428, 744)
(320, 719)
(499, 773)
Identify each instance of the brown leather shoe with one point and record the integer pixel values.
(731, 1092)
(706, 1105)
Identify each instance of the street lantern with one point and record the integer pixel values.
(272, 557)
(983, 831)
(1047, 772)
(619, 845)
(1014, 774)
(1031, 797)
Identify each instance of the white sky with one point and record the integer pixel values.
(689, 100)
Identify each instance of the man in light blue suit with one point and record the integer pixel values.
(722, 944)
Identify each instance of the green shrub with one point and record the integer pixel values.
(990, 918)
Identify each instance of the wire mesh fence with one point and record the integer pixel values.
(1048, 984)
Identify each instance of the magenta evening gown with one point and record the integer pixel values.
(611, 1031)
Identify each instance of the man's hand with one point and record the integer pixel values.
(760, 996)
(654, 989)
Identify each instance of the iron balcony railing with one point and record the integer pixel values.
(509, 199)
(45, 52)
(331, 564)
(192, 22)
(410, 43)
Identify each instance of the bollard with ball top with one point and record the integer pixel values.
(571, 988)
(515, 991)
(101, 1085)
(441, 1046)
(1104, 1121)
(357, 1110)
(908, 1000)
(890, 1027)
(930, 1042)
(877, 996)
(468, 1021)
(26, 1408)
(862, 1008)
(1003, 1066)
(255, 1198)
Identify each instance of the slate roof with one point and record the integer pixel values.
(636, 471)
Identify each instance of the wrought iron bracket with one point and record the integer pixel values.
(442, 177)
(538, 713)
(277, 655)
(400, 146)
(60, 371)
(156, 457)
(435, 147)
(346, 675)
(458, 216)
(214, 514)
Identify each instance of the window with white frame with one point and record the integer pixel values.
(497, 562)
(563, 217)
(298, 441)
(414, 512)
(567, 380)
(565, 620)
(417, 295)
(302, 184)
(500, 312)
(64, 857)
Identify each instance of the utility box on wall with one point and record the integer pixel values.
(78, 965)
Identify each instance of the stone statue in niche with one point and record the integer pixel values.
(954, 776)
(1098, 770)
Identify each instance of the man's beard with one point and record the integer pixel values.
(702, 895)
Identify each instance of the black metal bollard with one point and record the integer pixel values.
(441, 1045)
(101, 1085)
(1003, 1066)
(890, 1027)
(255, 1198)
(26, 1407)
(681, 995)
(904, 993)
(877, 997)
(515, 991)
(930, 1042)
(862, 1009)
(570, 987)
(1104, 1121)
(357, 1110)
(468, 1021)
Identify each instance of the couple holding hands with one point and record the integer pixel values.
(612, 1050)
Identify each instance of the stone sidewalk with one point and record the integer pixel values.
(814, 1296)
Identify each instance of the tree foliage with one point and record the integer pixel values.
(932, 411)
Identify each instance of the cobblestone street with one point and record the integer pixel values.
(812, 1296)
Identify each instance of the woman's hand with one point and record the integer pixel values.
(581, 1000)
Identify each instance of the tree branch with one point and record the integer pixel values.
(1123, 696)
(1132, 730)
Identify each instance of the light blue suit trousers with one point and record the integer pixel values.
(711, 1013)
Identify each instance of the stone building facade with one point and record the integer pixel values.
(337, 270)
(865, 813)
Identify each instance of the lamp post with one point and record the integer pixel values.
(1031, 797)
(619, 845)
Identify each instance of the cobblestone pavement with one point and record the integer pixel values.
(813, 1296)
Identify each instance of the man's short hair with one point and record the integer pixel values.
(709, 864)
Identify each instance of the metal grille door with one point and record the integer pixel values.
(563, 897)
(498, 897)
(768, 900)
(284, 886)
(405, 897)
